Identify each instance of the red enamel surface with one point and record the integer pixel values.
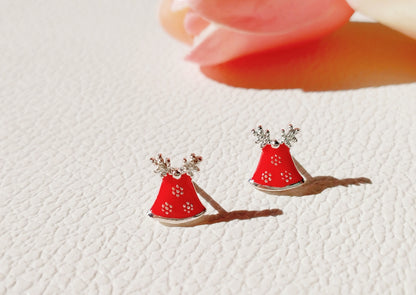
(177, 198)
(276, 168)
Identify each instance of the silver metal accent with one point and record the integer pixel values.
(175, 220)
(190, 166)
(164, 167)
(275, 143)
(290, 136)
(275, 189)
(263, 137)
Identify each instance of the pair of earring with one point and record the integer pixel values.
(178, 201)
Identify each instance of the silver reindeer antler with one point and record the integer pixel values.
(164, 167)
(190, 166)
(263, 137)
(290, 137)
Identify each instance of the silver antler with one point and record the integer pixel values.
(190, 166)
(163, 165)
(290, 137)
(263, 137)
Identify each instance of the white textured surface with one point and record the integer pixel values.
(89, 90)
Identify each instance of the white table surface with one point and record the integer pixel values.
(89, 90)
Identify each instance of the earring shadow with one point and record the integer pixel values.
(355, 56)
(223, 215)
(316, 185)
(312, 186)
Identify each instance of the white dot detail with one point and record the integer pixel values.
(286, 176)
(266, 176)
(275, 160)
(177, 191)
(188, 207)
(166, 208)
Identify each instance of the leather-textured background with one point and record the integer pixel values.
(89, 90)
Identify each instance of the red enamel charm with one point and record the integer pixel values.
(276, 170)
(177, 200)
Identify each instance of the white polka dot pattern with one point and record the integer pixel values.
(188, 207)
(166, 208)
(177, 191)
(286, 176)
(276, 160)
(266, 176)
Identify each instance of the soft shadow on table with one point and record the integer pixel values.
(223, 215)
(357, 55)
(316, 185)
(312, 186)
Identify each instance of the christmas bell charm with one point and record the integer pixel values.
(177, 200)
(276, 170)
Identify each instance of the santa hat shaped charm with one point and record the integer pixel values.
(177, 200)
(276, 170)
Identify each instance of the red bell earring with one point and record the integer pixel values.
(276, 170)
(177, 200)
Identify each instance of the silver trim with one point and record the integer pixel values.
(275, 189)
(175, 220)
